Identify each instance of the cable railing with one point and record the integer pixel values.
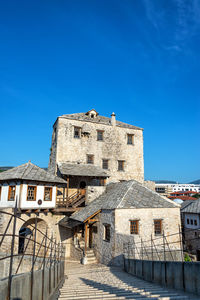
(170, 247)
(28, 250)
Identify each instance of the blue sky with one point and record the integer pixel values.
(140, 59)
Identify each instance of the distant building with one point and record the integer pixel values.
(186, 187)
(163, 189)
(190, 212)
(184, 196)
(168, 188)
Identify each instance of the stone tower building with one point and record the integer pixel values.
(90, 139)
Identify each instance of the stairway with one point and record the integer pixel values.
(90, 257)
(101, 282)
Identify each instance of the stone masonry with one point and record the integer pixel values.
(114, 146)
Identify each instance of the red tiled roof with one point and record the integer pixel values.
(184, 198)
(183, 192)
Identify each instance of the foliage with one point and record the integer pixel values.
(196, 195)
(187, 258)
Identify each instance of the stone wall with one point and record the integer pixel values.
(176, 275)
(114, 147)
(93, 192)
(104, 250)
(150, 184)
(45, 284)
(47, 221)
(112, 252)
(170, 227)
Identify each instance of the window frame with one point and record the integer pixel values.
(103, 166)
(35, 192)
(101, 132)
(132, 227)
(90, 156)
(51, 192)
(9, 192)
(79, 132)
(156, 231)
(123, 164)
(129, 135)
(107, 232)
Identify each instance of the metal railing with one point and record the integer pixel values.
(171, 247)
(40, 249)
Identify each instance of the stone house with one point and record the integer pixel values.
(190, 213)
(113, 149)
(127, 213)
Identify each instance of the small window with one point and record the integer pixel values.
(157, 227)
(105, 164)
(31, 193)
(120, 165)
(11, 193)
(191, 221)
(107, 233)
(134, 227)
(77, 132)
(99, 135)
(188, 221)
(102, 182)
(47, 193)
(195, 222)
(130, 139)
(90, 159)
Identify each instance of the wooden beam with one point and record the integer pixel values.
(67, 186)
(92, 221)
(66, 209)
(90, 217)
(86, 230)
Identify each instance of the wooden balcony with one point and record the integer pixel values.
(74, 201)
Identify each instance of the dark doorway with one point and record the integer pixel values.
(198, 255)
(23, 233)
(90, 236)
(82, 185)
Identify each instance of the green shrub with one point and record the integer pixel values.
(187, 258)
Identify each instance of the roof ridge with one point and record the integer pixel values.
(125, 194)
(27, 164)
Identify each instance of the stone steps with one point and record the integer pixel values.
(102, 282)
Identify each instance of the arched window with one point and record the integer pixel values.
(23, 233)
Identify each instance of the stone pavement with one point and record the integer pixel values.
(98, 281)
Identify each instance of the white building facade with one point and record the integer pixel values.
(168, 188)
(30, 186)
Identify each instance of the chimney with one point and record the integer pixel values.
(113, 119)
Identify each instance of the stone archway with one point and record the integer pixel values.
(27, 236)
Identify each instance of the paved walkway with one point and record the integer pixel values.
(101, 282)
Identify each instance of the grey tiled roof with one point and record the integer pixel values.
(82, 170)
(32, 172)
(127, 194)
(186, 203)
(68, 223)
(193, 207)
(99, 119)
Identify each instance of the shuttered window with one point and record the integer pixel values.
(157, 227)
(11, 193)
(31, 193)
